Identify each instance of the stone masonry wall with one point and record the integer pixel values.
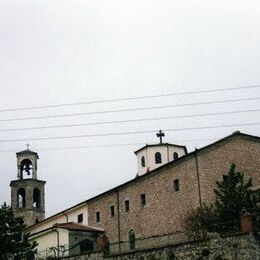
(216, 161)
(29, 212)
(229, 248)
(165, 208)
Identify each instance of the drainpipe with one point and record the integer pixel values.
(54, 228)
(118, 220)
(198, 175)
(67, 217)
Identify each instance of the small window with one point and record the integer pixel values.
(36, 198)
(143, 200)
(21, 198)
(98, 216)
(158, 158)
(176, 185)
(112, 211)
(80, 218)
(143, 161)
(131, 239)
(175, 156)
(127, 205)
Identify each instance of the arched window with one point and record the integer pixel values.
(36, 198)
(143, 161)
(175, 156)
(26, 168)
(158, 158)
(131, 239)
(21, 198)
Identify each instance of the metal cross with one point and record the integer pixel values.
(160, 135)
(27, 146)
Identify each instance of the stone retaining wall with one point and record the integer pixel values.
(229, 248)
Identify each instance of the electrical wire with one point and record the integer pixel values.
(125, 133)
(128, 121)
(130, 109)
(106, 145)
(130, 98)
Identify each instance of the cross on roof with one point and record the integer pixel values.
(160, 135)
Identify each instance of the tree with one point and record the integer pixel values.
(233, 197)
(200, 221)
(14, 242)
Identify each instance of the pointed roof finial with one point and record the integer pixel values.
(160, 135)
(27, 145)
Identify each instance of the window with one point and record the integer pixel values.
(127, 205)
(21, 198)
(143, 161)
(158, 158)
(98, 216)
(131, 239)
(80, 218)
(176, 185)
(175, 156)
(36, 198)
(143, 199)
(112, 211)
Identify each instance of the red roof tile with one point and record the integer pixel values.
(76, 226)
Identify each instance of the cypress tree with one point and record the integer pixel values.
(14, 242)
(233, 197)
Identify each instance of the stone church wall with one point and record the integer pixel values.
(216, 161)
(166, 208)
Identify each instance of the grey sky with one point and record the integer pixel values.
(55, 52)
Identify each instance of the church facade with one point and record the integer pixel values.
(151, 207)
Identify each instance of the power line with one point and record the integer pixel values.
(105, 145)
(128, 121)
(131, 109)
(126, 133)
(129, 98)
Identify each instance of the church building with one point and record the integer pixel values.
(146, 211)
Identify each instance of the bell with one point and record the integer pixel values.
(27, 169)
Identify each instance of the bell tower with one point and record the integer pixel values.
(27, 192)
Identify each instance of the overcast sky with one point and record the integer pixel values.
(55, 52)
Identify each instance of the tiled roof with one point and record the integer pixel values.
(77, 226)
(27, 152)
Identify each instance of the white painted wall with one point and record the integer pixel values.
(149, 155)
(61, 218)
(49, 239)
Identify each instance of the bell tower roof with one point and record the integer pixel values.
(24, 152)
(27, 164)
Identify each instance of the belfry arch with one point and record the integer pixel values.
(36, 198)
(26, 169)
(21, 198)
